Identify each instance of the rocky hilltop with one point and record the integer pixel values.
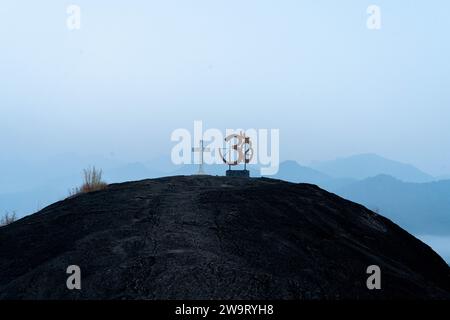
(203, 237)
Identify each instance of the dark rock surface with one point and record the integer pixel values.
(214, 238)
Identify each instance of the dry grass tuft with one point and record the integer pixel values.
(92, 182)
(8, 218)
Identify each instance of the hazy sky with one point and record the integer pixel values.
(137, 70)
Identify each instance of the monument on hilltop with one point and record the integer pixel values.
(201, 149)
(241, 151)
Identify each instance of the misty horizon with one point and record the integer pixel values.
(133, 73)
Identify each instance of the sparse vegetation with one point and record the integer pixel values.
(8, 218)
(92, 182)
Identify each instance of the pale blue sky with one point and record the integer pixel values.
(137, 70)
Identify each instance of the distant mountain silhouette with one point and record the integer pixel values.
(443, 177)
(294, 172)
(421, 208)
(369, 165)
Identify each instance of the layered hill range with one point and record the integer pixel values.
(204, 237)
